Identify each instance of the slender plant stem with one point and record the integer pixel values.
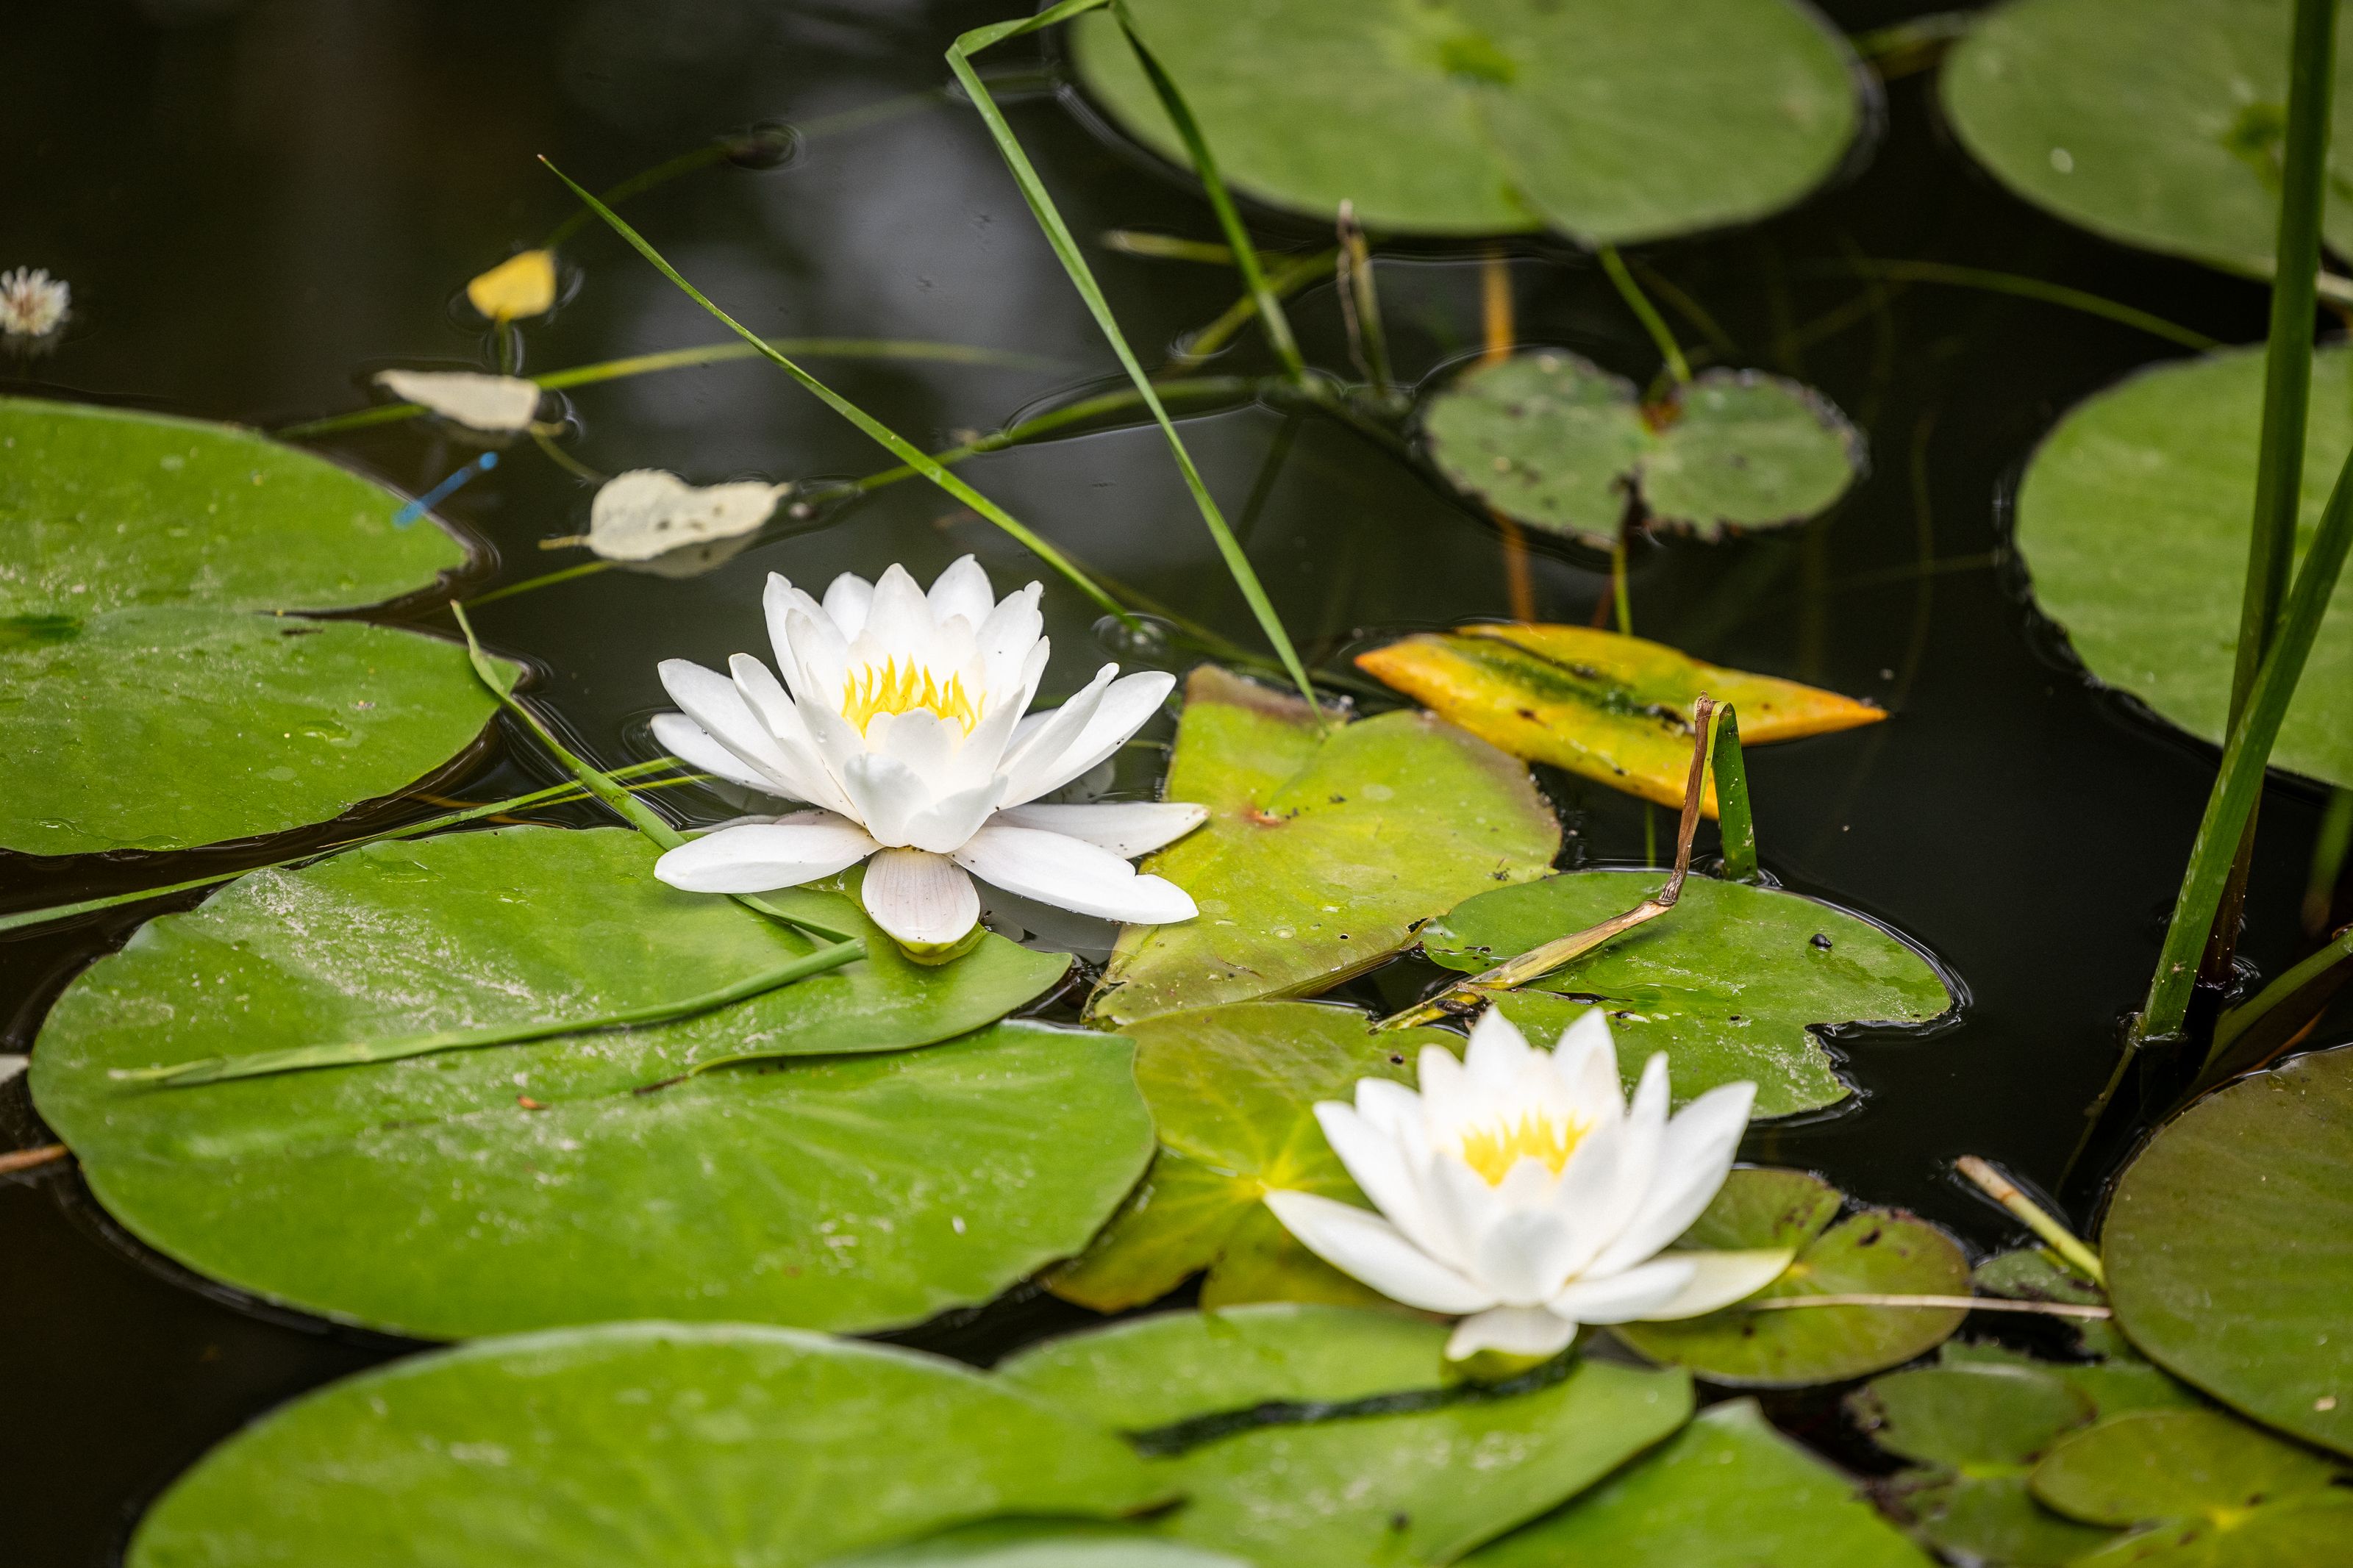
(1167, 246)
(1734, 819)
(356, 1053)
(1197, 348)
(1621, 600)
(1205, 388)
(1647, 313)
(896, 444)
(556, 794)
(2037, 1219)
(1066, 250)
(31, 1159)
(1360, 304)
(1498, 330)
(2328, 847)
(1205, 164)
(661, 174)
(2037, 289)
(1927, 1303)
(2240, 1045)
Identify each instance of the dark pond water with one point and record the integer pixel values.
(257, 203)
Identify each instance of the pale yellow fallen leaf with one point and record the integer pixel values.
(647, 512)
(523, 285)
(496, 403)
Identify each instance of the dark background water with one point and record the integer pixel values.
(259, 203)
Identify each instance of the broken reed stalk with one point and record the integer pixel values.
(2037, 1219)
(1467, 996)
(31, 1159)
(1360, 304)
(1931, 1303)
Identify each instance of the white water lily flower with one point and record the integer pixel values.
(32, 303)
(901, 719)
(1519, 1188)
(501, 403)
(648, 513)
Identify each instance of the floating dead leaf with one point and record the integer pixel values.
(648, 513)
(1611, 708)
(496, 403)
(523, 285)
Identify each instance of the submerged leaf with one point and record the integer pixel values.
(1609, 123)
(843, 1192)
(2208, 1490)
(1422, 1485)
(1552, 439)
(634, 1443)
(2133, 521)
(1731, 984)
(647, 512)
(159, 695)
(1322, 852)
(524, 285)
(1233, 1091)
(500, 404)
(1609, 708)
(2229, 1246)
(2156, 122)
(1872, 1251)
(1727, 1491)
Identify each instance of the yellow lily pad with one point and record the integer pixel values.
(1604, 706)
(523, 285)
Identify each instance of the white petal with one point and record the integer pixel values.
(1524, 1257)
(1070, 875)
(1514, 1330)
(922, 900)
(951, 820)
(1586, 1197)
(1624, 1297)
(1586, 1063)
(887, 795)
(1369, 1248)
(919, 738)
(778, 600)
(1007, 638)
(1126, 828)
(815, 660)
(499, 402)
(1640, 1170)
(1391, 1107)
(1379, 1167)
(686, 741)
(1695, 1153)
(846, 601)
(803, 765)
(1720, 1279)
(1127, 705)
(899, 620)
(758, 857)
(962, 589)
(1496, 1051)
(1058, 731)
(712, 701)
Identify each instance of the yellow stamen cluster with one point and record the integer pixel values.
(1493, 1151)
(895, 688)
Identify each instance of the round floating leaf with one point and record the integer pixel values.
(2156, 122)
(1149, 1372)
(1873, 1251)
(1322, 852)
(482, 1191)
(1727, 1491)
(630, 1444)
(1609, 123)
(1410, 1479)
(1233, 1091)
(161, 728)
(1560, 444)
(2133, 519)
(1730, 984)
(2211, 1492)
(153, 704)
(2229, 1246)
(1610, 708)
(1037, 1544)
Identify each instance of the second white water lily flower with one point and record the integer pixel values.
(1519, 1188)
(903, 718)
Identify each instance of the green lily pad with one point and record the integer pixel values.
(633, 1443)
(2207, 1489)
(2229, 1247)
(1555, 441)
(2112, 1384)
(1154, 1372)
(1872, 1251)
(1727, 1491)
(1313, 1487)
(2133, 519)
(1233, 1091)
(1974, 1431)
(1041, 1543)
(522, 1186)
(159, 697)
(1323, 853)
(2161, 123)
(1609, 123)
(1731, 982)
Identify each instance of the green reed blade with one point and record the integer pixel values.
(1221, 202)
(1284, 281)
(358, 1052)
(2038, 289)
(1066, 250)
(1734, 819)
(2247, 1034)
(897, 445)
